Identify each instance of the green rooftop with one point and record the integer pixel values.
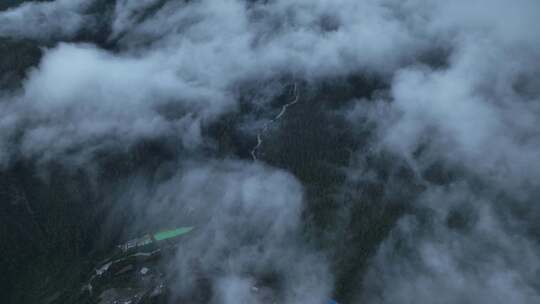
(168, 234)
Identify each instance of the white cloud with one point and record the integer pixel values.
(460, 253)
(193, 57)
(45, 20)
(247, 220)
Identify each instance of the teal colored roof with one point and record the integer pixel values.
(168, 234)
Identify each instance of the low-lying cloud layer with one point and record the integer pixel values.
(46, 20)
(468, 241)
(194, 57)
(248, 226)
(457, 106)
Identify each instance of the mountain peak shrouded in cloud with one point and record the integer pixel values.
(402, 170)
